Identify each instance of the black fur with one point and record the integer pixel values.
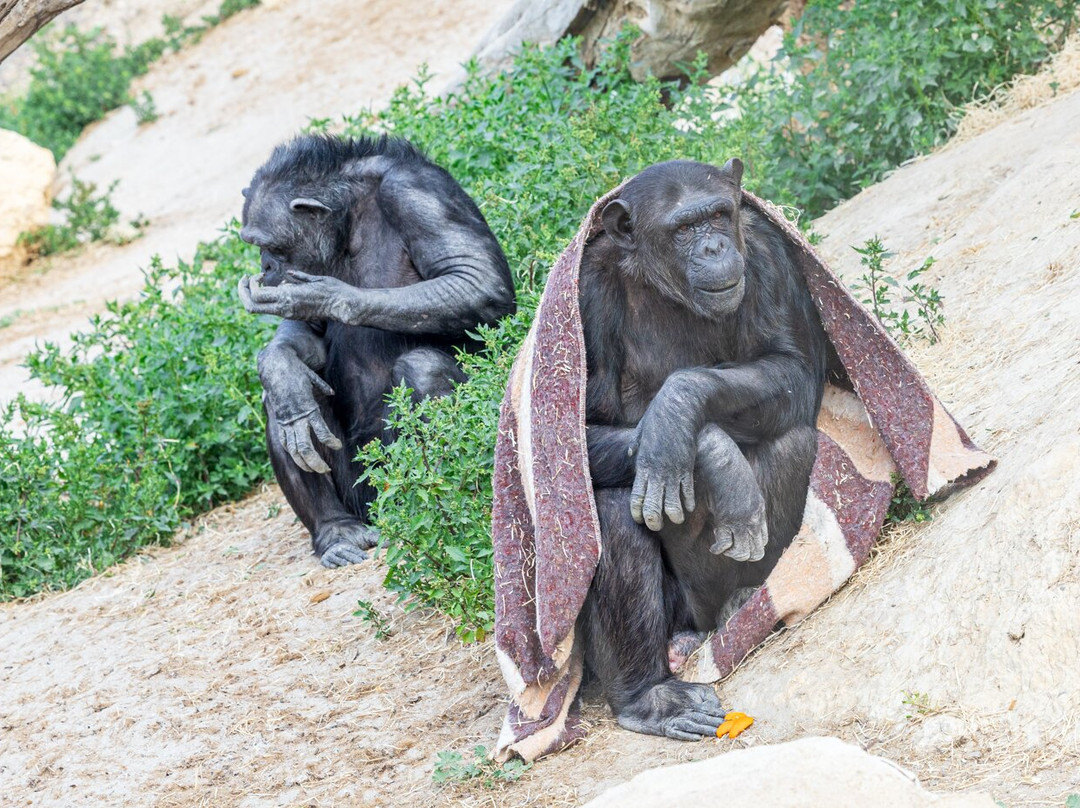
(706, 367)
(380, 264)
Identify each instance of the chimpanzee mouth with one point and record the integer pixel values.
(723, 290)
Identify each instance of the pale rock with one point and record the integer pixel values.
(806, 773)
(26, 177)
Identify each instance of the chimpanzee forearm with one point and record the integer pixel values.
(448, 305)
(294, 340)
(610, 461)
(753, 401)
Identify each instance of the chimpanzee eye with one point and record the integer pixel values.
(683, 229)
(719, 217)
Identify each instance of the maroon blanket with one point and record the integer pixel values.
(545, 530)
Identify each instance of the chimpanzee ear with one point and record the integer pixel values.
(616, 218)
(308, 205)
(734, 167)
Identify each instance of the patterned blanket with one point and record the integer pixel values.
(545, 529)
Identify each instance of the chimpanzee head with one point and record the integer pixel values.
(677, 225)
(297, 210)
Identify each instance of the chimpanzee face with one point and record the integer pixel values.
(292, 232)
(678, 225)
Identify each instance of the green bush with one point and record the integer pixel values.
(159, 420)
(88, 217)
(876, 83)
(79, 76)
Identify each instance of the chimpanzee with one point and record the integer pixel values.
(380, 264)
(706, 363)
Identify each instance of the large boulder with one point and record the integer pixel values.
(674, 30)
(26, 175)
(800, 774)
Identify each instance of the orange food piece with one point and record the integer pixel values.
(734, 724)
(319, 597)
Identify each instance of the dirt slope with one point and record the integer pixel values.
(215, 672)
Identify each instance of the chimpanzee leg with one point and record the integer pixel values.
(338, 535)
(782, 467)
(633, 607)
(428, 372)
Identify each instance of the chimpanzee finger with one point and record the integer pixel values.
(651, 510)
(673, 504)
(739, 550)
(343, 554)
(682, 735)
(307, 451)
(723, 538)
(319, 382)
(288, 440)
(697, 725)
(637, 497)
(243, 289)
(296, 276)
(687, 484)
(323, 433)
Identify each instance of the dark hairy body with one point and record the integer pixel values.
(706, 365)
(380, 264)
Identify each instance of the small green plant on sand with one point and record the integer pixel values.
(920, 705)
(904, 507)
(452, 767)
(366, 610)
(907, 310)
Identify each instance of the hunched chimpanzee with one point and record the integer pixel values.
(706, 363)
(380, 264)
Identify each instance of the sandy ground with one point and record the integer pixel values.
(230, 670)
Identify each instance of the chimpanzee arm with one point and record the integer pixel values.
(288, 368)
(466, 277)
(777, 390)
(611, 463)
(295, 340)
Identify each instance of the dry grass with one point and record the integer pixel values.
(1060, 76)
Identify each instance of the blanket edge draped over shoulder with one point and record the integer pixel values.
(545, 529)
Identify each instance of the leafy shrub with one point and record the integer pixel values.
(88, 217)
(80, 76)
(452, 767)
(159, 420)
(875, 83)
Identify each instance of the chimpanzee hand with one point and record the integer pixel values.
(299, 297)
(666, 445)
(289, 394)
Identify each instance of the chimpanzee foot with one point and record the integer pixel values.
(741, 539)
(681, 646)
(680, 710)
(342, 543)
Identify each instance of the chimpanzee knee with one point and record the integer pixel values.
(428, 372)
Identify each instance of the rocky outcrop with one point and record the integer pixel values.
(674, 30)
(26, 176)
(807, 773)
